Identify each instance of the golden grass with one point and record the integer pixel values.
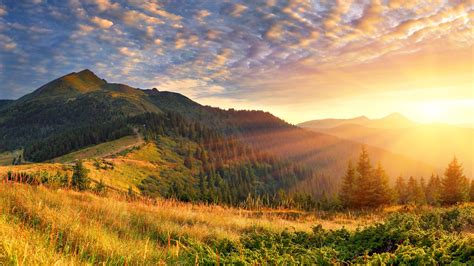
(66, 226)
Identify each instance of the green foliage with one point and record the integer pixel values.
(80, 180)
(411, 239)
(455, 185)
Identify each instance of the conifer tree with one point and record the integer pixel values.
(415, 193)
(433, 190)
(364, 189)
(455, 186)
(348, 187)
(382, 193)
(401, 190)
(80, 180)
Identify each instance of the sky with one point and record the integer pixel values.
(298, 59)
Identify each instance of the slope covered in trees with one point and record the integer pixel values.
(80, 105)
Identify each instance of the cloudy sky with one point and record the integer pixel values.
(299, 59)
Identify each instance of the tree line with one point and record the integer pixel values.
(364, 186)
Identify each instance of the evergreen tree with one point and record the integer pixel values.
(415, 193)
(455, 186)
(80, 180)
(401, 190)
(348, 187)
(382, 193)
(365, 189)
(433, 190)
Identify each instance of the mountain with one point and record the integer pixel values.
(434, 144)
(81, 110)
(4, 103)
(394, 120)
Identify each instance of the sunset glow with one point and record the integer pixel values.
(298, 59)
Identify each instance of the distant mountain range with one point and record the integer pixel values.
(434, 144)
(80, 101)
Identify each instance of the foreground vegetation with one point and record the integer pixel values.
(46, 226)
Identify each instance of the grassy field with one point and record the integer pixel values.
(120, 164)
(102, 150)
(61, 227)
(42, 226)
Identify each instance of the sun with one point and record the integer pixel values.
(431, 111)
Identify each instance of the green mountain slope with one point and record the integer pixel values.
(81, 110)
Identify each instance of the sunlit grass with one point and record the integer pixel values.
(66, 226)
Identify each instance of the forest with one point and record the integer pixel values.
(230, 172)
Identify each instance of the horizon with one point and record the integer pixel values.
(299, 60)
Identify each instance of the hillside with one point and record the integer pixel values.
(80, 110)
(434, 144)
(41, 226)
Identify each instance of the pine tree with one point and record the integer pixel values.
(348, 187)
(382, 191)
(455, 186)
(364, 189)
(80, 181)
(415, 193)
(433, 190)
(401, 190)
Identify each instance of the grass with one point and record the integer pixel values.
(42, 226)
(101, 150)
(62, 227)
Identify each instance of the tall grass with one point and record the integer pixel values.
(44, 226)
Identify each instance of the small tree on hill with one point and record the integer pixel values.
(415, 192)
(80, 179)
(348, 187)
(455, 186)
(382, 193)
(365, 185)
(433, 190)
(401, 190)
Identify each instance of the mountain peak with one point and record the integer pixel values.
(395, 116)
(72, 84)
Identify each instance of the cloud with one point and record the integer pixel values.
(237, 10)
(137, 18)
(3, 11)
(102, 23)
(7, 44)
(104, 5)
(127, 52)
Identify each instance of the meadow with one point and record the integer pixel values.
(40, 225)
